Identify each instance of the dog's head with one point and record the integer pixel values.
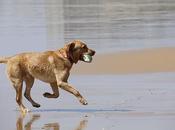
(77, 50)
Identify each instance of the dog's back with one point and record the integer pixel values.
(4, 59)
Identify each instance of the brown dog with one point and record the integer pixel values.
(52, 67)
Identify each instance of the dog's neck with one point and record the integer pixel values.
(62, 52)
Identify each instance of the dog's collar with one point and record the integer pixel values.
(65, 55)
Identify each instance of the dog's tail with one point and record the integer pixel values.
(4, 59)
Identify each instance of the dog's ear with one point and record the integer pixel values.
(69, 50)
(70, 46)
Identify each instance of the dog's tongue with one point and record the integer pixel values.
(87, 58)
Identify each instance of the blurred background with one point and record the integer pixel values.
(106, 25)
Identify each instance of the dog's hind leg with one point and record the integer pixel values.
(29, 80)
(55, 90)
(17, 84)
(15, 75)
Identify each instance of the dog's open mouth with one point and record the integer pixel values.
(87, 58)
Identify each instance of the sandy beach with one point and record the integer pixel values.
(130, 85)
(125, 90)
(134, 101)
(127, 62)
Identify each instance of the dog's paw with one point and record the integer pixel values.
(36, 105)
(24, 110)
(47, 95)
(83, 101)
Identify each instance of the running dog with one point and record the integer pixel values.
(52, 67)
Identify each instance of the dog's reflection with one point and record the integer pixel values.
(54, 126)
(28, 125)
(50, 126)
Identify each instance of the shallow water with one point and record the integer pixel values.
(125, 102)
(106, 25)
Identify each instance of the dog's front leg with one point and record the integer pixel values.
(70, 89)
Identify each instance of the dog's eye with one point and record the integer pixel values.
(84, 46)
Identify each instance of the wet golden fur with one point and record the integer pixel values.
(52, 67)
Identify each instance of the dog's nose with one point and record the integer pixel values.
(93, 52)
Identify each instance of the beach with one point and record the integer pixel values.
(130, 84)
(125, 90)
(133, 101)
(133, 61)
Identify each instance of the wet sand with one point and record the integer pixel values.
(125, 102)
(127, 62)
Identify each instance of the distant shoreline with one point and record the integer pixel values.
(129, 62)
